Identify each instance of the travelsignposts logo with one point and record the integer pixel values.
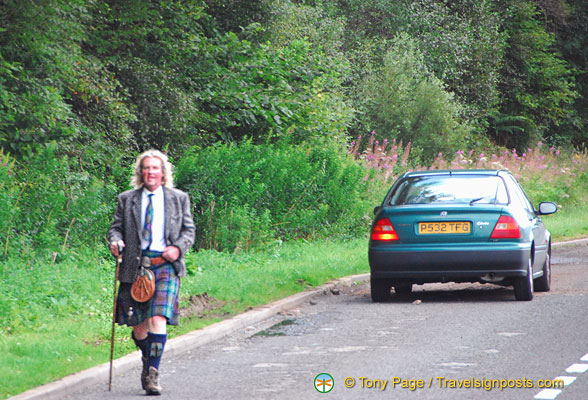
(324, 383)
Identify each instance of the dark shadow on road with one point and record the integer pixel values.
(460, 293)
(445, 293)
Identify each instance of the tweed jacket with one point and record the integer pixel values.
(126, 226)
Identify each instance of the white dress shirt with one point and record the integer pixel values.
(158, 225)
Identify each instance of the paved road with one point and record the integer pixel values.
(443, 335)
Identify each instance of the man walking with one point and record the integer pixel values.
(154, 225)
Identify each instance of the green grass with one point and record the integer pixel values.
(569, 224)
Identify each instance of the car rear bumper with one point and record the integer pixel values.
(430, 264)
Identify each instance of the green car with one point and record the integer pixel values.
(459, 226)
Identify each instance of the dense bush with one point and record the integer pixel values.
(245, 195)
(46, 206)
(10, 193)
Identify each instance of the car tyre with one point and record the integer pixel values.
(380, 290)
(543, 283)
(523, 286)
(403, 290)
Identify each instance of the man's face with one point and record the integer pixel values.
(152, 173)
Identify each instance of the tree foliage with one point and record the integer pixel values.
(537, 83)
(86, 84)
(409, 103)
(460, 41)
(262, 92)
(54, 92)
(567, 20)
(104, 77)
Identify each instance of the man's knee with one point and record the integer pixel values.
(158, 324)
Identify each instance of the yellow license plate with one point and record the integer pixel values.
(454, 227)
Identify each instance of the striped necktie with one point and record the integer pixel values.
(147, 234)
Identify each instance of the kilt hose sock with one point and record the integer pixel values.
(142, 344)
(156, 346)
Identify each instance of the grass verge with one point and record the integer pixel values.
(571, 224)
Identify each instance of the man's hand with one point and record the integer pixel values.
(171, 253)
(114, 246)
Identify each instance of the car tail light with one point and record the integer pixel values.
(383, 230)
(506, 228)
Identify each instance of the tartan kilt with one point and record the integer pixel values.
(165, 302)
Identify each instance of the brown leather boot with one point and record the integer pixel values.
(152, 384)
(144, 372)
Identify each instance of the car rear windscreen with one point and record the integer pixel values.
(450, 189)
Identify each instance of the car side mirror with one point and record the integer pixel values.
(546, 208)
(377, 209)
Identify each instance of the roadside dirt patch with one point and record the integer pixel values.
(200, 305)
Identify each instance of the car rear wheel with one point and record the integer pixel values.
(523, 286)
(543, 283)
(380, 289)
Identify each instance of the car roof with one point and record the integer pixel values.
(457, 172)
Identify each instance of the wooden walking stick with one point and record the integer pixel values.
(118, 261)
